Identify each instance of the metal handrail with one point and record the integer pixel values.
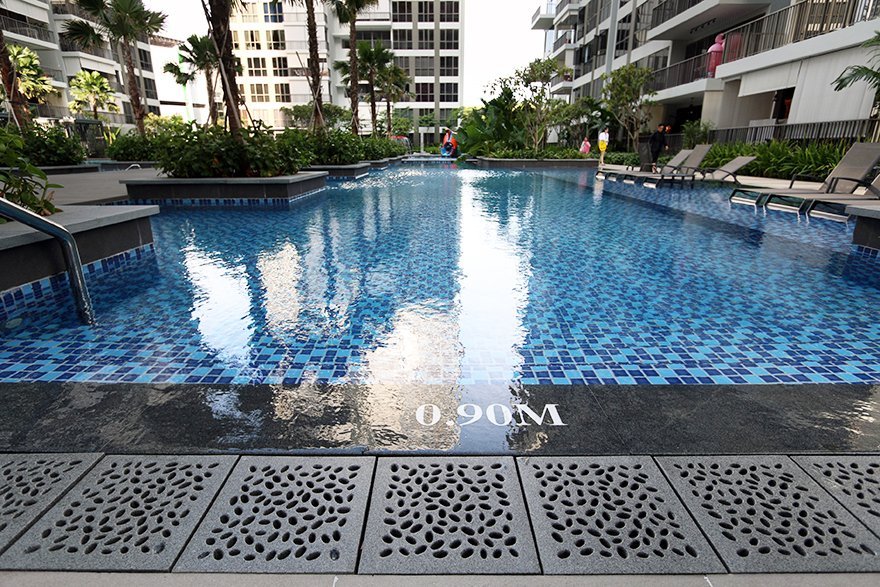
(68, 248)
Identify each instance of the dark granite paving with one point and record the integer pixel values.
(347, 419)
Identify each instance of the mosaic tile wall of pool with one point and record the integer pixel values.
(439, 276)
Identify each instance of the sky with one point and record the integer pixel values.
(497, 37)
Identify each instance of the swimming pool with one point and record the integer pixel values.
(442, 275)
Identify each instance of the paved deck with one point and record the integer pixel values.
(95, 188)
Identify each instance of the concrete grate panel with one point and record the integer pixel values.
(764, 514)
(448, 515)
(284, 515)
(608, 515)
(128, 513)
(30, 484)
(853, 480)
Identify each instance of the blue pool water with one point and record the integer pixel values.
(429, 275)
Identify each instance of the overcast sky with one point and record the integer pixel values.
(497, 37)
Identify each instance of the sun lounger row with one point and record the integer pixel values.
(684, 167)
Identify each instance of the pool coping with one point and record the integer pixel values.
(171, 188)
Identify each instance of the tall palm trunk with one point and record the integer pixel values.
(388, 114)
(95, 110)
(373, 118)
(212, 105)
(16, 100)
(134, 88)
(314, 66)
(221, 10)
(354, 91)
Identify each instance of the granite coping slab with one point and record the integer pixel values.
(75, 219)
(867, 210)
(356, 170)
(281, 179)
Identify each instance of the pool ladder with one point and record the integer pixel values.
(68, 248)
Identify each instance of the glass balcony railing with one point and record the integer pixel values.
(68, 45)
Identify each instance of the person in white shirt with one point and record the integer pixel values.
(603, 145)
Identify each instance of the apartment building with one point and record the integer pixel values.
(39, 25)
(271, 41)
(770, 78)
(189, 101)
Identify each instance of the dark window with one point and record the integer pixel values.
(402, 62)
(449, 11)
(252, 40)
(256, 66)
(235, 44)
(282, 93)
(425, 92)
(401, 11)
(301, 71)
(279, 67)
(449, 92)
(425, 66)
(448, 38)
(276, 40)
(145, 59)
(403, 39)
(150, 89)
(153, 110)
(128, 112)
(426, 11)
(449, 66)
(426, 38)
(260, 92)
(273, 12)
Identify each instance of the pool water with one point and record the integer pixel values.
(442, 275)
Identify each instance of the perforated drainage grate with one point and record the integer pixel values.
(595, 515)
(448, 515)
(764, 514)
(853, 480)
(30, 484)
(128, 513)
(283, 514)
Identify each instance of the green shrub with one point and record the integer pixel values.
(337, 147)
(780, 159)
(376, 148)
(295, 149)
(431, 149)
(132, 147)
(51, 146)
(548, 153)
(20, 181)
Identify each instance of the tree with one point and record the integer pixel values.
(401, 122)
(372, 60)
(581, 118)
(32, 82)
(317, 119)
(870, 74)
(627, 97)
(218, 12)
(120, 22)
(199, 53)
(531, 89)
(393, 82)
(347, 12)
(302, 115)
(17, 102)
(92, 91)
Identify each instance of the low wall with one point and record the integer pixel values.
(492, 163)
(221, 188)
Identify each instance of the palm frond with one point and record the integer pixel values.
(83, 34)
(180, 76)
(858, 73)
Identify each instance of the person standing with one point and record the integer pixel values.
(603, 145)
(657, 143)
(585, 146)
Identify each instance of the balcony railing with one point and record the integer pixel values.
(20, 27)
(374, 16)
(46, 111)
(562, 5)
(548, 8)
(683, 72)
(669, 8)
(68, 45)
(563, 40)
(794, 23)
(55, 74)
(844, 130)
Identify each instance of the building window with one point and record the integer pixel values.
(449, 92)
(402, 62)
(273, 12)
(282, 93)
(279, 67)
(425, 66)
(256, 66)
(260, 92)
(425, 92)
(153, 110)
(449, 11)
(448, 38)
(402, 39)
(252, 40)
(145, 59)
(449, 66)
(426, 38)
(150, 89)
(299, 71)
(401, 11)
(236, 45)
(426, 11)
(276, 40)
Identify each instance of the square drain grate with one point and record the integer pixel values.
(129, 513)
(30, 484)
(448, 515)
(764, 514)
(853, 480)
(607, 515)
(284, 515)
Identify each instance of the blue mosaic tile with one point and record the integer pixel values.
(438, 275)
(260, 203)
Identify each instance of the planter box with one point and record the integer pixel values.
(379, 163)
(492, 163)
(124, 165)
(356, 171)
(225, 188)
(28, 255)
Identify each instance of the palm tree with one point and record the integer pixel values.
(199, 53)
(119, 22)
(33, 83)
(217, 13)
(393, 82)
(863, 73)
(347, 13)
(314, 62)
(372, 59)
(92, 91)
(17, 102)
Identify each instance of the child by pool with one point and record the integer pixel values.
(603, 145)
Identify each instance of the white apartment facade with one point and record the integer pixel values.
(271, 41)
(39, 25)
(772, 79)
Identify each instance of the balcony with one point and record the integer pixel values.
(27, 29)
(563, 43)
(566, 14)
(68, 45)
(690, 20)
(683, 72)
(793, 24)
(542, 20)
(561, 84)
(55, 74)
